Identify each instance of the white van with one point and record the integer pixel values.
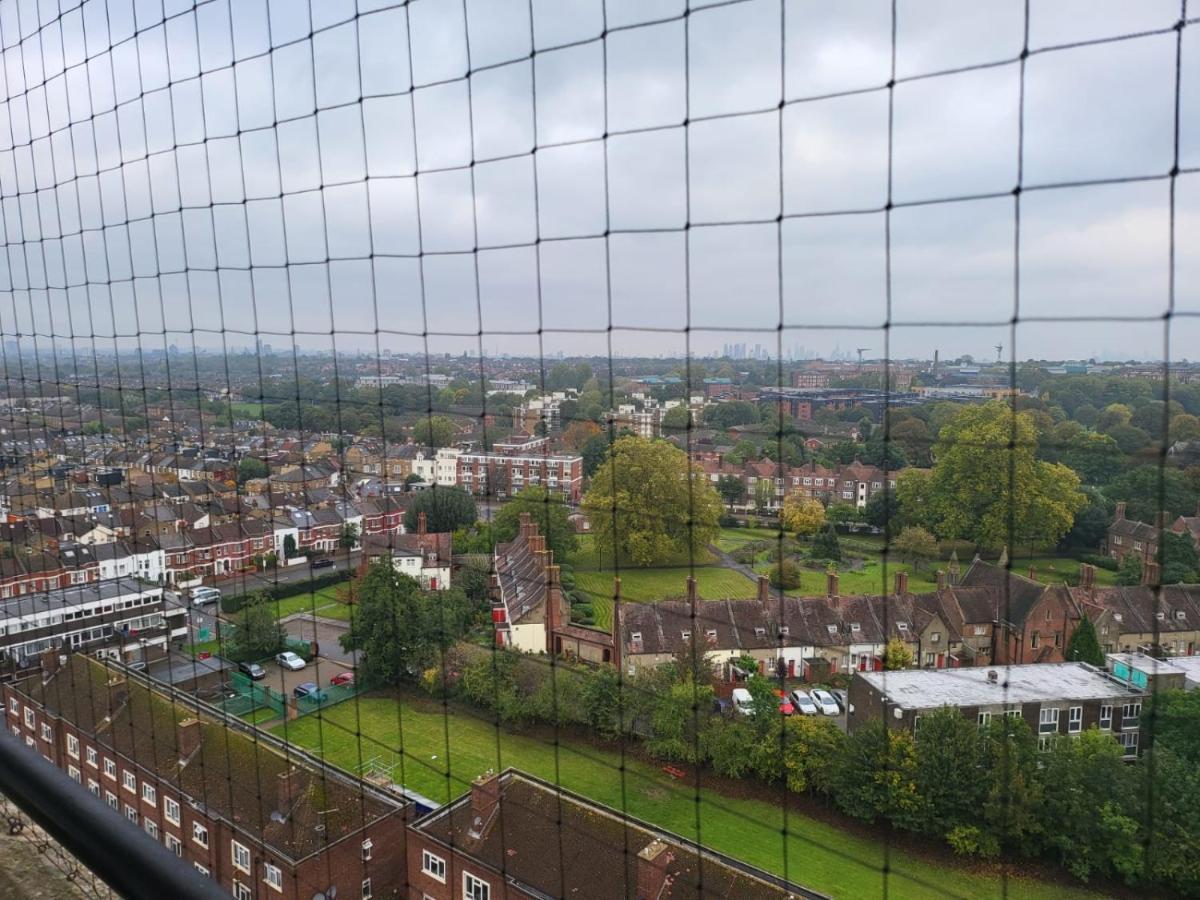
(202, 596)
(742, 701)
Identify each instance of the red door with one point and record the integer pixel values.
(791, 668)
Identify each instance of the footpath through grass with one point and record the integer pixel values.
(441, 755)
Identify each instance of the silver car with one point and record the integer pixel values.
(825, 702)
(804, 704)
(290, 660)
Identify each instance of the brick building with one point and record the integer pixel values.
(1128, 537)
(504, 474)
(261, 824)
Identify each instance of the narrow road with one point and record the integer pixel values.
(725, 561)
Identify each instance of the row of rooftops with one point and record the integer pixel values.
(546, 840)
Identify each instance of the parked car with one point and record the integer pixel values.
(785, 706)
(290, 661)
(253, 670)
(722, 706)
(322, 563)
(202, 596)
(742, 701)
(342, 678)
(138, 665)
(310, 690)
(804, 703)
(839, 695)
(825, 702)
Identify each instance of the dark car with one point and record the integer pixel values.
(310, 690)
(253, 670)
(322, 563)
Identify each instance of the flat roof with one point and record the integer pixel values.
(76, 595)
(969, 686)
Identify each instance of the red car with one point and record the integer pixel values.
(785, 706)
(342, 678)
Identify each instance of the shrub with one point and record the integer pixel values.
(233, 603)
(785, 574)
(1100, 562)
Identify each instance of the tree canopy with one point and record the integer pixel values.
(988, 486)
(650, 505)
(550, 514)
(803, 515)
(445, 508)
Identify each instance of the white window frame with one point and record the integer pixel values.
(1046, 717)
(47, 732)
(131, 813)
(110, 768)
(171, 810)
(1106, 716)
(241, 857)
(203, 870)
(367, 846)
(475, 888)
(200, 834)
(73, 772)
(241, 891)
(72, 746)
(366, 889)
(149, 794)
(1126, 713)
(129, 781)
(1129, 742)
(150, 827)
(94, 786)
(433, 866)
(984, 719)
(1074, 719)
(28, 717)
(111, 799)
(93, 758)
(273, 876)
(174, 844)
(14, 706)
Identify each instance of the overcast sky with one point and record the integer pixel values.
(169, 145)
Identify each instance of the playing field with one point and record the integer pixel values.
(441, 755)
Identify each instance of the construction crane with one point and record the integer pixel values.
(999, 350)
(860, 351)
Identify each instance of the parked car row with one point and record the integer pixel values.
(815, 702)
(294, 663)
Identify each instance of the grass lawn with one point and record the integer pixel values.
(248, 410)
(260, 715)
(1056, 569)
(441, 756)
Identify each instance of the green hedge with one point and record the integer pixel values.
(233, 603)
(1100, 562)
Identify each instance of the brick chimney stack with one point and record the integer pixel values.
(421, 522)
(1120, 514)
(51, 661)
(187, 736)
(1087, 577)
(652, 865)
(831, 584)
(764, 589)
(485, 800)
(1150, 574)
(941, 580)
(901, 583)
(691, 589)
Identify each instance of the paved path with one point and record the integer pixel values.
(725, 561)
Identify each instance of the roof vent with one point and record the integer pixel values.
(993, 676)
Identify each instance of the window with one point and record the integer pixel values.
(1129, 740)
(74, 773)
(174, 844)
(171, 810)
(475, 888)
(1130, 714)
(129, 780)
(1075, 720)
(131, 813)
(94, 786)
(151, 827)
(855, 627)
(1048, 721)
(366, 849)
(433, 866)
(241, 857)
(47, 734)
(241, 891)
(636, 637)
(686, 635)
(935, 638)
(984, 719)
(1033, 640)
(1044, 743)
(149, 794)
(72, 746)
(28, 717)
(273, 875)
(366, 889)
(201, 869)
(92, 757)
(14, 706)
(199, 834)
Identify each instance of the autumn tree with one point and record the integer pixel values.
(989, 487)
(649, 504)
(578, 433)
(915, 545)
(897, 655)
(803, 515)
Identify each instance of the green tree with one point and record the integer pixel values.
(915, 545)
(802, 515)
(812, 747)
(764, 493)
(826, 545)
(785, 574)
(914, 503)
(289, 546)
(648, 504)
(840, 513)
(881, 508)
(550, 514)
(593, 451)
(1178, 558)
(1084, 646)
(445, 508)
(989, 487)
(876, 775)
(1173, 853)
(897, 656)
(1130, 572)
(258, 633)
(691, 662)
(1176, 719)
(1139, 488)
(434, 431)
(677, 719)
(730, 413)
(732, 489)
(949, 756)
(677, 420)
(250, 467)
(349, 536)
